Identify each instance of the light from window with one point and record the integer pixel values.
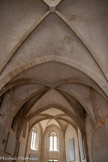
(53, 142)
(81, 144)
(71, 149)
(33, 139)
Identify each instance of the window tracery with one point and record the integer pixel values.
(53, 142)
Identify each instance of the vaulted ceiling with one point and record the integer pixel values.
(53, 55)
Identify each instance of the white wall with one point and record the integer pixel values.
(71, 133)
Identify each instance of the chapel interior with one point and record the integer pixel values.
(54, 80)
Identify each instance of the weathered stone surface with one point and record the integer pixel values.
(53, 75)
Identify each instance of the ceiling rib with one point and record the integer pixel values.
(18, 83)
(81, 103)
(40, 91)
(22, 40)
(84, 42)
(84, 82)
(99, 81)
(59, 118)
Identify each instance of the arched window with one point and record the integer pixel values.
(53, 142)
(33, 138)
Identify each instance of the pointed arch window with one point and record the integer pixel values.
(33, 139)
(53, 142)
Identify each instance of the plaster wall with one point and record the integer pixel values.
(97, 142)
(61, 152)
(71, 133)
(39, 138)
(81, 146)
